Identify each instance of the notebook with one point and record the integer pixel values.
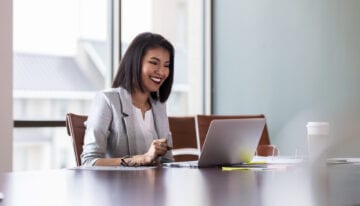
(228, 142)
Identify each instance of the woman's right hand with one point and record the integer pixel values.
(137, 160)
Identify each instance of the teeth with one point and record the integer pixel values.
(155, 79)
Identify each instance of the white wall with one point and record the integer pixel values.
(294, 61)
(6, 121)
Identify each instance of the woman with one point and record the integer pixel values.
(128, 124)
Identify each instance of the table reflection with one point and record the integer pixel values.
(298, 185)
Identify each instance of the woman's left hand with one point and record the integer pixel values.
(157, 148)
(139, 160)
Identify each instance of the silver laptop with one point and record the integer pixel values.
(228, 142)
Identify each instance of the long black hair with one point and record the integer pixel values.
(129, 72)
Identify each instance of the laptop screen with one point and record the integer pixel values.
(231, 141)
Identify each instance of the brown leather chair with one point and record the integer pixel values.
(182, 128)
(75, 125)
(183, 132)
(203, 123)
(267, 150)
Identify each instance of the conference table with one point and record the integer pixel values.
(336, 184)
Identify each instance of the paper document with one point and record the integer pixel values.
(113, 168)
(264, 167)
(276, 160)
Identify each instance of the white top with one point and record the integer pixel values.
(146, 132)
(110, 127)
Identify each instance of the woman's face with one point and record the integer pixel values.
(155, 69)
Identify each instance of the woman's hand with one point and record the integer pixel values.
(137, 160)
(157, 148)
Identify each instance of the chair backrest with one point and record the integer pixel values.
(75, 125)
(203, 123)
(267, 150)
(183, 132)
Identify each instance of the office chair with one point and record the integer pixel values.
(182, 129)
(203, 123)
(75, 125)
(184, 138)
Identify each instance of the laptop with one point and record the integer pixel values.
(227, 142)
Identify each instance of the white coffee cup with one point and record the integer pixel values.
(318, 140)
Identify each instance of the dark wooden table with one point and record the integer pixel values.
(336, 185)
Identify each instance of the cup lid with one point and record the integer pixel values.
(317, 124)
(317, 128)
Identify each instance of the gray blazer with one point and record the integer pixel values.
(110, 131)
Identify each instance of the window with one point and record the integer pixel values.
(65, 50)
(61, 57)
(180, 21)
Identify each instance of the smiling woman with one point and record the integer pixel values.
(128, 124)
(155, 70)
